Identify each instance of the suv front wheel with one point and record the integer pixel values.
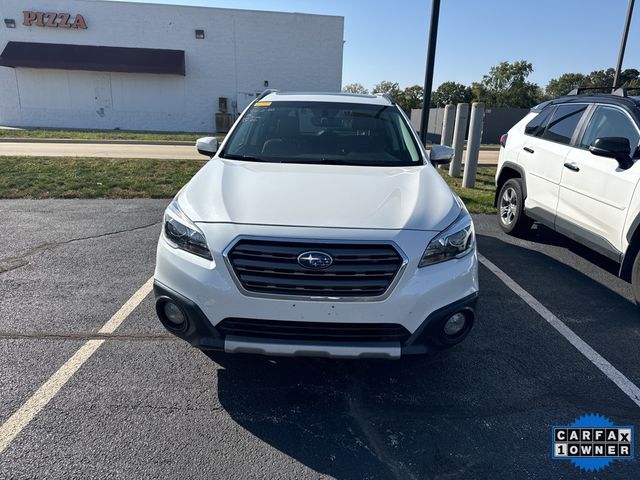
(511, 216)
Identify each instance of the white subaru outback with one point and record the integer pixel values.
(319, 227)
(571, 165)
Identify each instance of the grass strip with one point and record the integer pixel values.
(80, 177)
(61, 177)
(103, 135)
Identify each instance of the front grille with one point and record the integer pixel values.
(314, 331)
(271, 267)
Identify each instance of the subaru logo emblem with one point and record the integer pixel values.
(315, 260)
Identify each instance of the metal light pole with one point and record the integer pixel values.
(428, 77)
(623, 44)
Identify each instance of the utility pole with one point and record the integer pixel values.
(623, 44)
(428, 76)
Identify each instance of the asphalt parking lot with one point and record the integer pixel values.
(146, 405)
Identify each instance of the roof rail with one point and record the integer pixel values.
(389, 97)
(266, 92)
(580, 90)
(622, 91)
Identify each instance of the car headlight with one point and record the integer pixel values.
(182, 233)
(455, 242)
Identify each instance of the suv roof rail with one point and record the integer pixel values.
(622, 91)
(266, 92)
(580, 90)
(389, 98)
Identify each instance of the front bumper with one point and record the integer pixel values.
(421, 300)
(200, 333)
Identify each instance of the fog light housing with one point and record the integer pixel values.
(455, 324)
(174, 314)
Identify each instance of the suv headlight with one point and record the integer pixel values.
(456, 241)
(182, 233)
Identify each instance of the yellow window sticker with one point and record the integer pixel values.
(262, 104)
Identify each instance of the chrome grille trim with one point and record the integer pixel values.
(376, 279)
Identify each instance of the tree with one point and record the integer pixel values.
(564, 84)
(630, 77)
(598, 78)
(506, 85)
(601, 78)
(604, 78)
(354, 88)
(390, 88)
(410, 98)
(450, 93)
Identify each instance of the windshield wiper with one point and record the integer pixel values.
(246, 158)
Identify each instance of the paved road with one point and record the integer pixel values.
(488, 157)
(146, 405)
(99, 150)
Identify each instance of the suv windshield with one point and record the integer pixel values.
(321, 132)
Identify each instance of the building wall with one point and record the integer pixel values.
(242, 49)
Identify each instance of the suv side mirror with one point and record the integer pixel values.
(207, 146)
(613, 147)
(441, 154)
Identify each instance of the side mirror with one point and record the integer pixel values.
(441, 154)
(613, 147)
(207, 146)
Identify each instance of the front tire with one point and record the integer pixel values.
(511, 216)
(635, 279)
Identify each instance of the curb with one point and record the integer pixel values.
(100, 142)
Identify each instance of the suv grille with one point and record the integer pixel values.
(271, 267)
(314, 331)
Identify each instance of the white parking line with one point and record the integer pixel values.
(21, 418)
(626, 385)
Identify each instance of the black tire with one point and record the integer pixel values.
(511, 216)
(635, 278)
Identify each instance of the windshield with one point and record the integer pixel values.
(319, 132)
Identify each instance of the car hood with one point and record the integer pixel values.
(229, 191)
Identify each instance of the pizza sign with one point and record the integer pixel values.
(53, 20)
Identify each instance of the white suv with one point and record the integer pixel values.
(571, 165)
(319, 227)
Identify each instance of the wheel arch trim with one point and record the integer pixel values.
(501, 179)
(629, 256)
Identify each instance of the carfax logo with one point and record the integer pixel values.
(592, 442)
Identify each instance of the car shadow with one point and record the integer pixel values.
(311, 409)
(545, 235)
(447, 416)
(597, 305)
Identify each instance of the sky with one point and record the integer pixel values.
(387, 40)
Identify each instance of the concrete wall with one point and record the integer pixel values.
(496, 122)
(240, 51)
(434, 129)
